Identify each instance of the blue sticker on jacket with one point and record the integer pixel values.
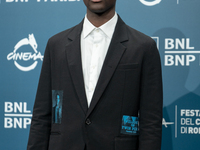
(130, 125)
(57, 98)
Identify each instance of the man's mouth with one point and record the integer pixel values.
(96, 1)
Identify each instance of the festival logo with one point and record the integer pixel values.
(165, 123)
(26, 56)
(152, 3)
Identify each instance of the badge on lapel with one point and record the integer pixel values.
(57, 98)
(130, 125)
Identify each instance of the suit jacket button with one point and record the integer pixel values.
(88, 122)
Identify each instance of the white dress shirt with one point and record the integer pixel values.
(94, 46)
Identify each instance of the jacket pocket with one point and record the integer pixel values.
(127, 66)
(54, 141)
(126, 143)
(55, 133)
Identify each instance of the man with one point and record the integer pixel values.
(108, 78)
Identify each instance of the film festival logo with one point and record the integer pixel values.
(186, 121)
(25, 56)
(150, 3)
(166, 124)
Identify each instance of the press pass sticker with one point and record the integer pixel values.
(130, 125)
(57, 98)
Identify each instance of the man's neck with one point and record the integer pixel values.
(99, 19)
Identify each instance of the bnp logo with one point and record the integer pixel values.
(16, 115)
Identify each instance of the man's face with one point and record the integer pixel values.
(100, 6)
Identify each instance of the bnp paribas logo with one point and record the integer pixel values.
(150, 2)
(25, 54)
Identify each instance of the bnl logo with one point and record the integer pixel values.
(178, 51)
(16, 115)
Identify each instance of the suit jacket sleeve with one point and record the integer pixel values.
(41, 120)
(151, 100)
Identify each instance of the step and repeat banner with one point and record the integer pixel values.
(26, 25)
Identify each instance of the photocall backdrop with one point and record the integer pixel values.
(26, 25)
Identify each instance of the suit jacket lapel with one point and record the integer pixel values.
(73, 54)
(112, 59)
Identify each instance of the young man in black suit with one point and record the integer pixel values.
(108, 80)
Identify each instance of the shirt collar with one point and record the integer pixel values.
(108, 27)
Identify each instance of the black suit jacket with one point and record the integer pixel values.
(129, 84)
